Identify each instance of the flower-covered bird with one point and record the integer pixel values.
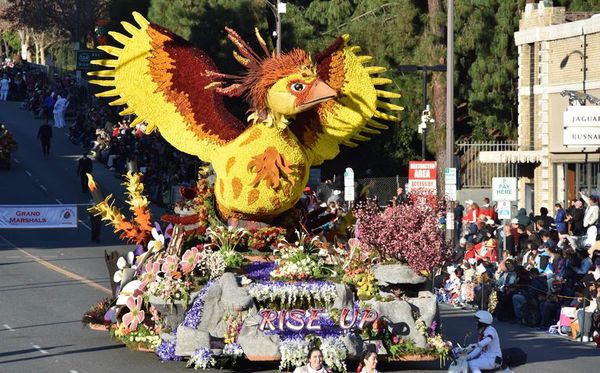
(301, 111)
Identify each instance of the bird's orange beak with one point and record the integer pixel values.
(319, 92)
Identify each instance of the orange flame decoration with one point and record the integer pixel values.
(96, 194)
(91, 182)
(139, 229)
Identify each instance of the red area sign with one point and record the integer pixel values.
(422, 176)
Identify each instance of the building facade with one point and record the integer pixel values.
(559, 117)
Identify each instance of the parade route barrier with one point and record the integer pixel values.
(38, 216)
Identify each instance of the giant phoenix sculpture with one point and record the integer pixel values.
(301, 111)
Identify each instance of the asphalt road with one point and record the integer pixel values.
(49, 278)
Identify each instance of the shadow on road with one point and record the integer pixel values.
(50, 355)
(40, 325)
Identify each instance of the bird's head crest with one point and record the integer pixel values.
(262, 71)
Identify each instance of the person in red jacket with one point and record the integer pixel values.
(487, 210)
(472, 213)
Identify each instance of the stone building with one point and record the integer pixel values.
(559, 124)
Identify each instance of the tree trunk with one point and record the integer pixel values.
(43, 49)
(24, 35)
(438, 141)
(7, 50)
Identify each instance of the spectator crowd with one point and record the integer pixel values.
(541, 270)
(60, 102)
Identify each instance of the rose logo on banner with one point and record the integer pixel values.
(38, 216)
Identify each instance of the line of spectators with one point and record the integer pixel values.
(101, 132)
(529, 270)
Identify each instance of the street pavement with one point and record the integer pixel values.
(49, 278)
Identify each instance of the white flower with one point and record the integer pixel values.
(246, 281)
(158, 243)
(123, 264)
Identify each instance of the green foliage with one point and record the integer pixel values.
(13, 40)
(63, 54)
(395, 33)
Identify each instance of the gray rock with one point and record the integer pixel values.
(173, 313)
(189, 340)
(428, 307)
(344, 297)
(396, 274)
(234, 297)
(224, 297)
(399, 315)
(257, 345)
(354, 345)
(212, 314)
(168, 337)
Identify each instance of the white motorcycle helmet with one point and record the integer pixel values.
(484, 317)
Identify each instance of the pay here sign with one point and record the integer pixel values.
(504, 188)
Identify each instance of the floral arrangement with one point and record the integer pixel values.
(233, 349)
(142, 337)
(300, 260)
(408, 233)
(171, 263)
(334, 353)
(260, 271)
(202, 359)
(399, 347)
(95, 315)
(294, 351)
(264, 238)
(226, 239)
(363, 279)
(234, 325)
(196, 209)
(286, 294)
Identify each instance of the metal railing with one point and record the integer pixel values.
(473, 173)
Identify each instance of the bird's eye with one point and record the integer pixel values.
(298, 87)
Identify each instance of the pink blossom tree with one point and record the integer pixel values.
(409, 233)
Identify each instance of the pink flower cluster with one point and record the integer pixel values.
(407, 232)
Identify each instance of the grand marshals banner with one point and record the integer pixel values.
(38, 216)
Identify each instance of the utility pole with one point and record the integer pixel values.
(450, 236)
(278, 27)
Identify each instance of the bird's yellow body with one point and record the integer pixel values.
(261, 173)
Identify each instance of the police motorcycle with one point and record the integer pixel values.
(511, 357)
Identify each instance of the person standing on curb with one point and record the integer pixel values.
(4, 87)
(84, 166)
(45, 136)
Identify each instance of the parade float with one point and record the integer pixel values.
(238, 272)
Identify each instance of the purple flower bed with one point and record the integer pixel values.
(260, 271)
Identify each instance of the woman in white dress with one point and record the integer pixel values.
(315, 363)
(368, 362)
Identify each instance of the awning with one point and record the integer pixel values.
(511, 156)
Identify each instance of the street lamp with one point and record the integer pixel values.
(278, 9)
(422, 129)
(583, 56)
(425, 70)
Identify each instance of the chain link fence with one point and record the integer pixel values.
(381, 188)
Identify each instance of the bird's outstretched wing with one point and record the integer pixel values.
(161, 78)
(356, 111)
